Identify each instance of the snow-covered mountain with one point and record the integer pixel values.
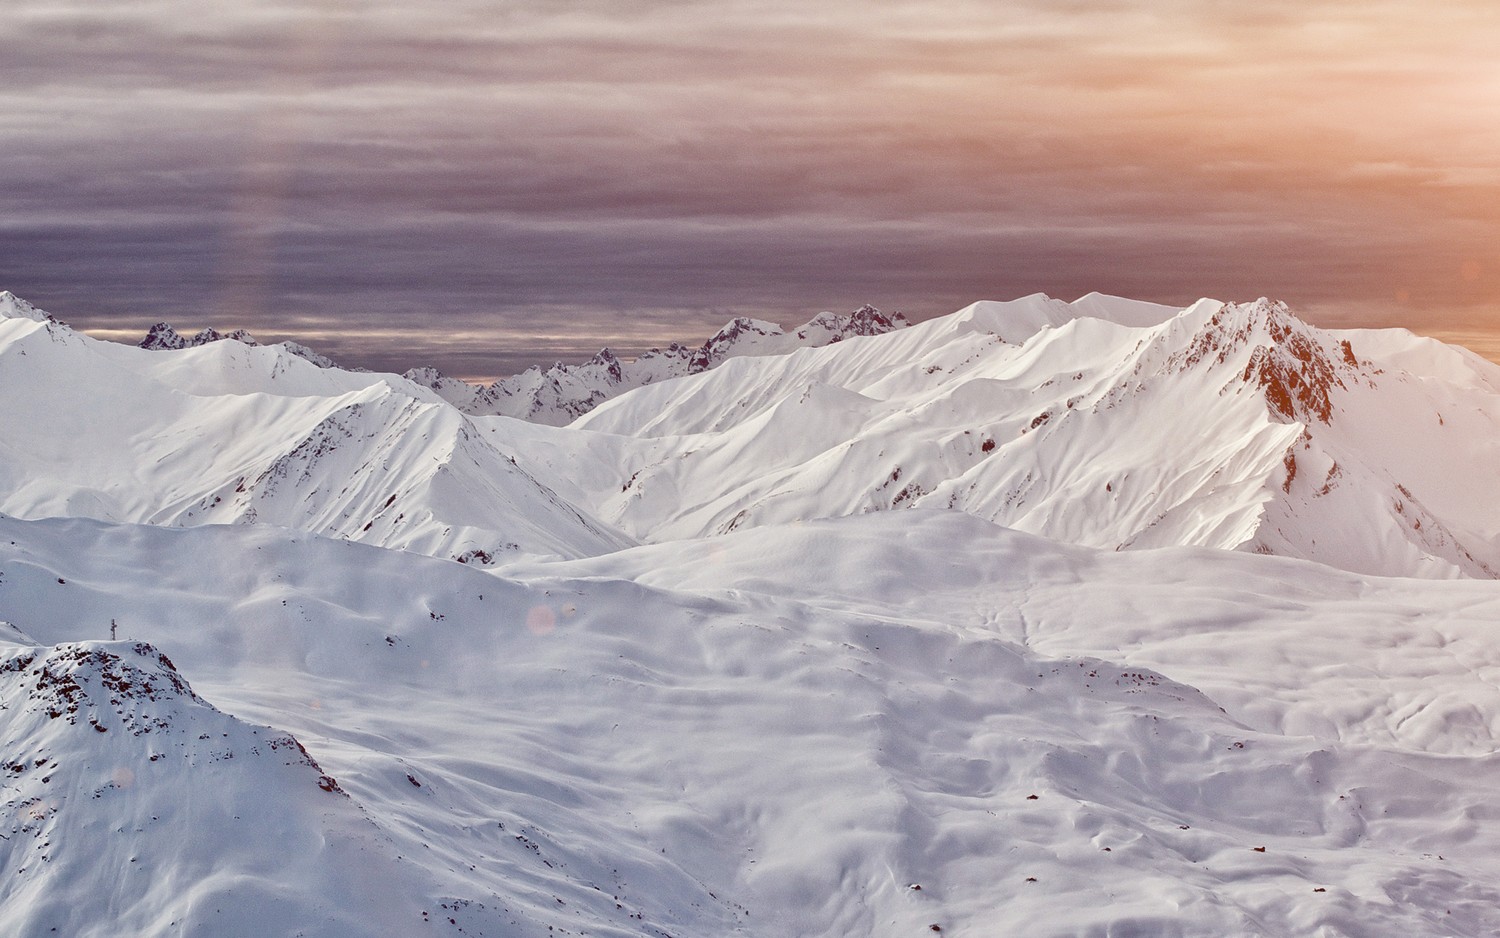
(13, 307)
(1104, 422)
(227, 432)
(562, 393)
(163, 337)
(134, 806)
(766, 649)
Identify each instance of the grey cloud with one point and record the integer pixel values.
(634, 173)
(507, 284)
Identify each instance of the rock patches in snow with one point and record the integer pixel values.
(1233, 426)
(163, 337)
(560, 394)
(122, 786)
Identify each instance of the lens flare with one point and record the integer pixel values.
(541, 620)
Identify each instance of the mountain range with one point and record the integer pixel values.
(1044, 618)
(1133, 426)
(1105, 422)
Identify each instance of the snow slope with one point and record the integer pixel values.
(868, 725)
(230, 433)
(1107, 423)
(134, 806)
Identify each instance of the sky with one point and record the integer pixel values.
(481, 185)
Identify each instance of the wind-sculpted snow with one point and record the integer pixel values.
(230, 433)
(1226, 426)
(865, 726)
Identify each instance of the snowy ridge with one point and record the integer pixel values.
(1106, 422)
(162, 337)
(230, 433)
(13, 307)
(1221, 425)
(560, 394)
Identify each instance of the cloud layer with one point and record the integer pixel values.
(485, 186)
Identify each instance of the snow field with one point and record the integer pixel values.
(794, 753)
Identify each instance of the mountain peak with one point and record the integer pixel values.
(162, 337)
(13, 307)
(73, 681)
(606, 359)
(744, 325)
(737, 330)
(1288, 359)
(865, 321)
